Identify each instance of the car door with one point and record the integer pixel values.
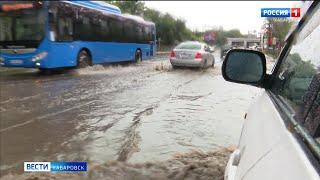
(280, 138)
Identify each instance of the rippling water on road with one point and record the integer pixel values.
(130, 113)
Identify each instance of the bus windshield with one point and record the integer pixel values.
(21, 26)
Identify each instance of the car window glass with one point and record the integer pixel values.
(192, 46)
(298, 79)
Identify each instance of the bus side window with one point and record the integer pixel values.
(95, 24)
(144, 34)
(116, 30)
(84, 28)
(104, 30)
(119, 36)
(79, 27)
(52, 20)
(148, 36)
(65, 23)
(65, 29)
(113, 30)
(6, 24)
(133, 32)
(138, 33)
(130, 31)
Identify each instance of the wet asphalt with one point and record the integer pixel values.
(128, 112)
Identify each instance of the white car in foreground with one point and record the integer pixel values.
(280, 136)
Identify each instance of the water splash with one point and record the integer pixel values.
(192, 165)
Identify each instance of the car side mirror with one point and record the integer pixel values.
(245, 66)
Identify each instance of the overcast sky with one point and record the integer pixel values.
(243, 15)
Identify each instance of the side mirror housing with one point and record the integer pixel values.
(245, 66)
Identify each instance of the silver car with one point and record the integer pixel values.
(192, 54)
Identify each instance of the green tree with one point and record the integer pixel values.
(280, 28)
(131, 7)
(169, 29)
(233, 33)
(222, 35)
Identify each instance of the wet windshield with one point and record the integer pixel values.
(21, 25)
(158, 89)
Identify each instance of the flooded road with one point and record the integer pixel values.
(129, 113)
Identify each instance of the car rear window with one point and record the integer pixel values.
(192, 46)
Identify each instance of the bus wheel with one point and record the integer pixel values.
(45, 71)
(138, 56)
(84, 59)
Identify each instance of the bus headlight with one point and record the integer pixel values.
(39, 56)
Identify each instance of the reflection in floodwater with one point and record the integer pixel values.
(128, 114)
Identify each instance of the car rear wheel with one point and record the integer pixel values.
(174, 67)
(138, 56)
(84, 59)
(204, 65)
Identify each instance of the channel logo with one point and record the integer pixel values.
(55, 166)
(280, 12)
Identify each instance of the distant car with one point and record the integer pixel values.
(224, 51)
(192, 54)
(212, 49)
(254, 47)
(280, 138)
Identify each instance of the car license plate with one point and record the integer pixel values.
(183, 56)
(16, 62)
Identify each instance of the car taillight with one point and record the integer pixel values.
(173, 54)
(198, 56)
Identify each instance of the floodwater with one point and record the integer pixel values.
(132, 114)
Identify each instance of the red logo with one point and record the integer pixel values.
(13, 7)
(295, 12)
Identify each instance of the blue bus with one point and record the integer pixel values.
(55, 34)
